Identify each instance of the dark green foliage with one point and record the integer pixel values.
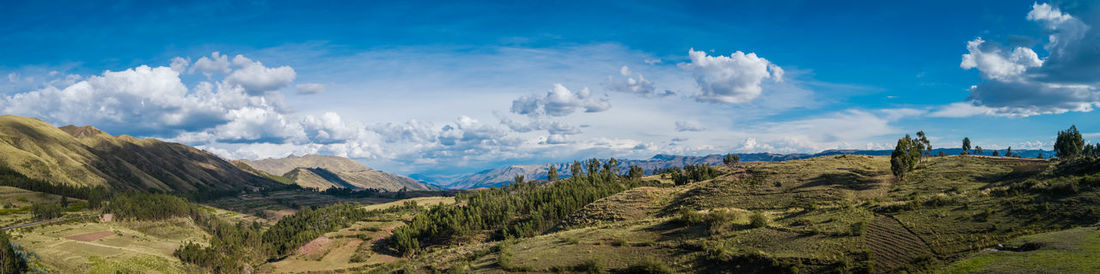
(731, 159)
(150, 206)
(922, 142)
(9, 177)
(995, 153)
(1008, 152)
(907, 154)
(518, 210)
(966, 145)
(1069, 143)
(858, 228)
(692, 173)
(306, 224)
(635, 173)
(575, 169)
(552, 174)
(978, 150)
(10, 261)
(235, 245)
(44, 211)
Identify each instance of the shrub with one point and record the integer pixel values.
(689, 216)
(858, 228)
(758, 220)
(589, 266)
(719, 220)
(649, 266)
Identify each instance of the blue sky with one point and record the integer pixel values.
(446, 87)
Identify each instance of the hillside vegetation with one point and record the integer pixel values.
(828, 214)
(86, 157)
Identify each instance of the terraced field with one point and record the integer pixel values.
(893, 246)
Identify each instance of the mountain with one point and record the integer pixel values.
(323, 172)
(502, 176)
(86, 156)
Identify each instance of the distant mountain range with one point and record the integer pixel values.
(86, 156)
(503, 176)
(323, 172)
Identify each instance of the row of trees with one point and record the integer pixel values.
(1069, 144)
(522, 209)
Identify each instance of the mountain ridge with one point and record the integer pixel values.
(323, 172)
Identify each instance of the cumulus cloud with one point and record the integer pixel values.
(256, 78)
(1018, 82)
(734, 79)
(632, 82)
(682, 126)
(559, 101)
(215, 63)
(310, 88)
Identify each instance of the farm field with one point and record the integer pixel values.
(80, 247)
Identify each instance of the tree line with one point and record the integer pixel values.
(521, 209)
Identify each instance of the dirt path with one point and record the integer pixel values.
(37, 223)
(892, 245)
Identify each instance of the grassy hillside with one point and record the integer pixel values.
(833, 213)
(85, 156)
(323, 172)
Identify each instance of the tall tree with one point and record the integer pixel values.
(1008, 152)
(731, 159)
(10, 261)
(899, 162)
(966, 145)
(978, 150)
(552, 174)
(905, 157)
(923, 143)
(1069, 143)
(575, 169)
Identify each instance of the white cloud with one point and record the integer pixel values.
(682, 126)
(180, 64)
(998, 65)
(1020, 83)
(216, 63)
(559, 101)
(734, 79)
(310, 88)
(256, 78)
(634, 83)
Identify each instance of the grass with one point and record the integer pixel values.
(1068, 251)
(138, 246)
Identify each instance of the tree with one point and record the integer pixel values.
(1008, 152)
(978, 150)
(1040, 155)
(575, 169)
(636, 173)
(552, 174)
(923, 142)
(966, 145)
(518, 180)
(995, 153)
(1069, 143)
(10, 261)
(64, 201)
(942, 153)
(905, 157)
(731, 159)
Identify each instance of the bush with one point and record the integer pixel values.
(858, 228)
(689, 216)
(589, 266)
(649, 266)
(758, 220)
(719, 220)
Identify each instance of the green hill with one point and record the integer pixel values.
(322, 172)
(86, 156)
